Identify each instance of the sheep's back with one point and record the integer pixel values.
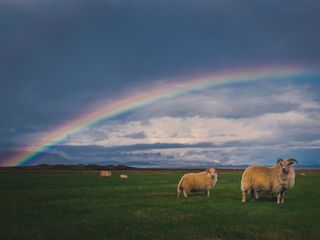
(256, 177)
(196, 181)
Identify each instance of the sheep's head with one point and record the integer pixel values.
(212, 172)
(286, 164)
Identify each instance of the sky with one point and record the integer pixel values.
(59, 59)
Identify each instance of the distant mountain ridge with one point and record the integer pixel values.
(165, 155)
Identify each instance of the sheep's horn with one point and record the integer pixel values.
(292, 160)
(279, 160)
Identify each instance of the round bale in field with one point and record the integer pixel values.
(123, 176)
(105, 173)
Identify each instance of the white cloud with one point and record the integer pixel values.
(271, 127)
(243, 127)
(276, 116)
(234, 102)
(272, 114)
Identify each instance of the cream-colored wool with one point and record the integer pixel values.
(105, 173)
(273, 180)
(123, 176)
(202, 181)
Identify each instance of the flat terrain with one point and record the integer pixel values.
(81, 205)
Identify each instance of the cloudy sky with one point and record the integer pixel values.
(58, 59)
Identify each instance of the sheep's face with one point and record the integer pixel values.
(285, 166)
(212, 172)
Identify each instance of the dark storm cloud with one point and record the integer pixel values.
(138, 135)
(60, 57)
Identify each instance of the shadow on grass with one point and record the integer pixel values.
(263, 198)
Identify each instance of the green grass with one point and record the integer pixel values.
(81, 205)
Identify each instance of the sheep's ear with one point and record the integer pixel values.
(279, 160)
(292, 160)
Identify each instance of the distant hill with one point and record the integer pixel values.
(70, 167)
(97, 167)
(114, 156)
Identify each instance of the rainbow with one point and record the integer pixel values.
(134, 100)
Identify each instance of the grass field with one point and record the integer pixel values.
(81, 205)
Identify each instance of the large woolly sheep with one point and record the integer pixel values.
(273, 180)
(202, 181)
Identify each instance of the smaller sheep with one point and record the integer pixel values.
(202, 181)
(123, 176)
(105, 173)
(272, 180)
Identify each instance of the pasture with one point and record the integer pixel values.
(81, 205)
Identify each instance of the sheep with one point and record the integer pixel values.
(202, 181)
(105, 173)
(273, 180)
(123, 176)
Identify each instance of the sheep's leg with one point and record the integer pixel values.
(244, 196)
(257, 194)
(279, 197)
(185, 193)
(208, 193)
(252, 194)
(180, 190)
